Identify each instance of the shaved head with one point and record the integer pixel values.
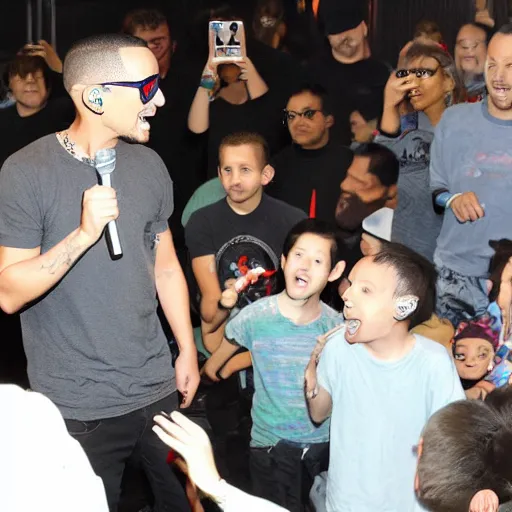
(98, 59)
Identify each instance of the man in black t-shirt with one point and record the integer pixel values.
(239, 233)
(346, 69)
(170, 137)
(309, 172)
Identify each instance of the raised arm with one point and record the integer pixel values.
(26, 274)
(198, 116)
(394, 94)
(199, 113)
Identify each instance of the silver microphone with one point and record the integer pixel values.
(105, 162)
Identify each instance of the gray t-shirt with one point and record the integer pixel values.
(94, 343)
(415, 223)
(472, 152)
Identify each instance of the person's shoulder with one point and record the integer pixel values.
(336, 343)
(456, 113)
(379, 65)
(31, 155)
(432, 350)
(281, 208)
(139, 151)
(265, 308)
(284, 155)
(339, 149)
(330, 313)
(208, 213)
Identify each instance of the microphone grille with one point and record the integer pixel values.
(105, 160)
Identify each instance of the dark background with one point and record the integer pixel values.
(391, 24)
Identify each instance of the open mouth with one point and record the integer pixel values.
(144, 122)
(301, 281)
(501, 90)
(353, 326)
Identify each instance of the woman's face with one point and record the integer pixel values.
(432, 87)
(229, 73)
(472, 358)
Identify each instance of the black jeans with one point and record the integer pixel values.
(109, 443)
(285, 472)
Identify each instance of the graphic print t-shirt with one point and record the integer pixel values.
(243, 242)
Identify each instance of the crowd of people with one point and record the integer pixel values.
(309, 257)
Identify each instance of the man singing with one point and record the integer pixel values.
(91, 333)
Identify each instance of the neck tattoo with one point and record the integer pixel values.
(70, 147)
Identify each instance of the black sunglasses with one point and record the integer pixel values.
(290, 115)
(147, 87)
(421, 73)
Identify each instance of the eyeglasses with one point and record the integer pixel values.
(147, 87)
(421, 73)
(308, 113)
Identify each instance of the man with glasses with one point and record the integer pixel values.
(310, 170)
(470, 55)
(169, 134)
(93, 340)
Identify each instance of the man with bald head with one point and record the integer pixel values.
(93, 340)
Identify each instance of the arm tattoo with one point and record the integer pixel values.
(67, 257)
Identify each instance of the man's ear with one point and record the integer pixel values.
(329, 121)
(267, 175)
(365, 28)
(392, 196)
(92, 98)
(337, 271)
(405, 306)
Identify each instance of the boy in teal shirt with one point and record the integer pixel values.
(280, 332)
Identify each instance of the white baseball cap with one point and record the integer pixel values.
(379, 223)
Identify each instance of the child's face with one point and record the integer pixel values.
(369, 301)
(472, 358)
(242, 172)
(307, 268)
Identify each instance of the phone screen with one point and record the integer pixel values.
(227, 39)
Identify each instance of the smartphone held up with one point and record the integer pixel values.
(227, 41)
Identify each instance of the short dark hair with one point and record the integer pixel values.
(96, 59)
(415, 275)
(428, 27)
(505, 29)
(466, 448)
(319, 92)
(320, 228)
(143, 18)
(383, 162)
(24, 64)
(247, 138)
(489, 31)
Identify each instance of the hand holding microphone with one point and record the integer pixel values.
(99, 207)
